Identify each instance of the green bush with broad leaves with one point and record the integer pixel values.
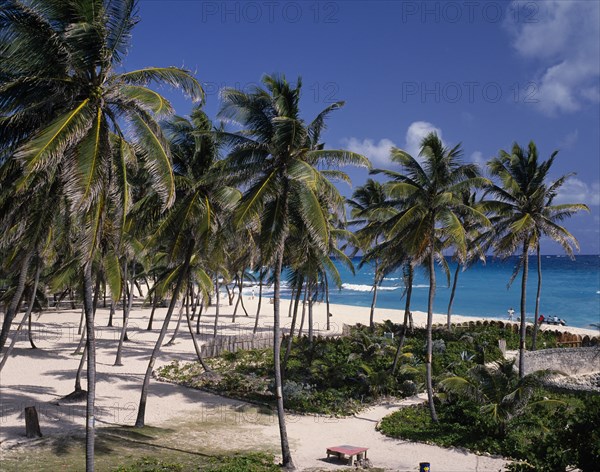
(340, 375)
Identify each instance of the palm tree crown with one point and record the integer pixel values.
(524, 212)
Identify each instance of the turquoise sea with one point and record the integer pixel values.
(570, 289)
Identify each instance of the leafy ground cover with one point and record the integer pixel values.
(251, 462)
(545, 432)
(340, 375)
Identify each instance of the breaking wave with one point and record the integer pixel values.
(365, 288)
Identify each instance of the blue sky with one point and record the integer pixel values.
(484, 73)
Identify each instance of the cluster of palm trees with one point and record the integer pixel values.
(431, 208)
(102, 186)
(101, 183)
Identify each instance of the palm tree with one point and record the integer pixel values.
(429, 196)
(184, 234)
(274, 156)
(63, 105)
(500, 393)
(524, 212)
(473, 233)
(366, 207)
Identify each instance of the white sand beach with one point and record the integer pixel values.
(41, 377)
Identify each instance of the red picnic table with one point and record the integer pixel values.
(346, 450)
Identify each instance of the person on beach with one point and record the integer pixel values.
(252, 294)
(511, 313)
(541, 319)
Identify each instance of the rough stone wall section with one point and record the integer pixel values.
(571, 361)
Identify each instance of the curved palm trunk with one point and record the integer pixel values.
(260, 289)
(137, 285)
(154, 305)
(327, 300)
(241, 298)
(288, 348)
(285, 446)
(230, 294)
(195, 302)
(97, 292)
(311, 301)
(147, 286)
(199, 315)
(140, 420)
(218, 300)
(27, 316)
(428, 365)
(237, 303)
(523, 325)
(80, 345)
(406, 318)
(78, 388)
(72, 297)
(30, 306)
(537, 300)
(112, 312)
(30, 332)
(103, 293)
(291, 307)
(196, 347)
(12, 342)
(14, 303)
(306, 288)
(88, 303)
(81, 318)
(374, 300)
(449, 316)
(126, 319)
(176, 332)
(126, 296)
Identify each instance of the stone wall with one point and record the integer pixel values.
(571, 361)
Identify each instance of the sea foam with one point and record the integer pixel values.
(365, 288)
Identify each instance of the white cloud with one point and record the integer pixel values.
(577, 191)
(378, 153)
(570, 139)
(565, 41)
(415, 134)
(477, 158)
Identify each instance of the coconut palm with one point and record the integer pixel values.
(63, 104)
(274, 155)
(184, 234)
(367, 205)
(429, 194)
(524, 213)
(26, 224)
(499, 391)
(474, 234)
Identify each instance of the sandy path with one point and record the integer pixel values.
(41, 377)
(392, 454)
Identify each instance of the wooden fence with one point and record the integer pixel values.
(216, 347)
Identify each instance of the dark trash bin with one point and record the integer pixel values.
(424, 467)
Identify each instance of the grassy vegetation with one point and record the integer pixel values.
(550, 432)
(183, 447)
(340, 375)
(251, 462)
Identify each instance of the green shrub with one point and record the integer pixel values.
(251, 462)
(150, 464)
(338, 375)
